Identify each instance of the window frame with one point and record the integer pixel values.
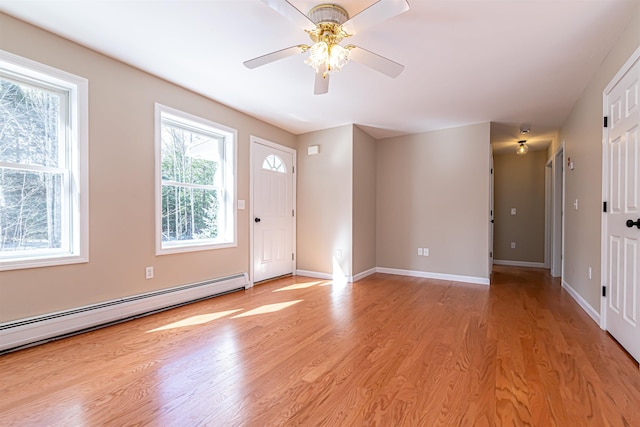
(75, 210)
(229, 185)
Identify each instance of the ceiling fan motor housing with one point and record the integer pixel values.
(328, 13)
(328, 19)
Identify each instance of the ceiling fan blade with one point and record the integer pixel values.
(322, 83)
(289, 11)
(375, 14)
(273, 56)
(376, 62)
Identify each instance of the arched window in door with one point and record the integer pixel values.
(274, 163)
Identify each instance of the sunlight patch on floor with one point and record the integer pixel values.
(297, 286)
(268, 308)
(195, 320)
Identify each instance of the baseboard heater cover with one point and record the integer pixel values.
(23, 333)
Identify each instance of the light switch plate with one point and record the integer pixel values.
(240, 204)
(513, 211)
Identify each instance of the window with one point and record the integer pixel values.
(43, 165)
(274, 163)
(195, 183)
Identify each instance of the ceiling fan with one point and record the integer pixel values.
(327, 25)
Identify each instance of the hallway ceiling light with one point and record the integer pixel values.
(523, 148)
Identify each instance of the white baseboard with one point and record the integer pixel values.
(314, 274)
(439, 276)
(397, 272)
(582, 302)
(519, 263)
(39, 329)
(363, 274)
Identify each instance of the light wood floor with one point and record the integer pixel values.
(385, 351)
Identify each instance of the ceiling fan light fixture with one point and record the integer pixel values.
(327, 58)
(326, 55)
(324, 25)
(523, 148)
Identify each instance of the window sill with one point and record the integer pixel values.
(48, 261)
(194, 248)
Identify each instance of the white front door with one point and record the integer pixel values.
(272, 208)
(622, 222)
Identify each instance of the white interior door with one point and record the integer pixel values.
(272, 212)
(491, 216)
(622, 222)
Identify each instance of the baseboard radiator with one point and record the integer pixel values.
(23, 333)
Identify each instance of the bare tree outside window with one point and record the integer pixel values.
(189, 193)
(195, 183)
(32, 170)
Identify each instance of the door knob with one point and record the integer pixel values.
(630, 223)
(257, 219)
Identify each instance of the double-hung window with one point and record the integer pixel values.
(43, 165)
(195, 183)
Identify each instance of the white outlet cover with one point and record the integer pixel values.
(425, 251)
(513, 211)
(419, 251)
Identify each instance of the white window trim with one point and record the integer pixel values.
(78, 139)
(231, 175)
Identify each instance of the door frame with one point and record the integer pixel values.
(491, 212)
(257, 140)
(557, 212)
(548, 180)
(604, 253)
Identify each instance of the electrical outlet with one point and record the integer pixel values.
(575, 204)
(513, 245)
(420, 251)
(339, 254)
(148, 273)
(589, 271)
(425, 251)
(513, 211)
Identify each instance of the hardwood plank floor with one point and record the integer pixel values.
(387, 351)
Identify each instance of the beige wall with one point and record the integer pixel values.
(121, 184)
(519, 183)
(433, 191)
(364, 201)
(582, 134)
(325, 183)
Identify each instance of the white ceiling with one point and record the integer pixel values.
(504, 61)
